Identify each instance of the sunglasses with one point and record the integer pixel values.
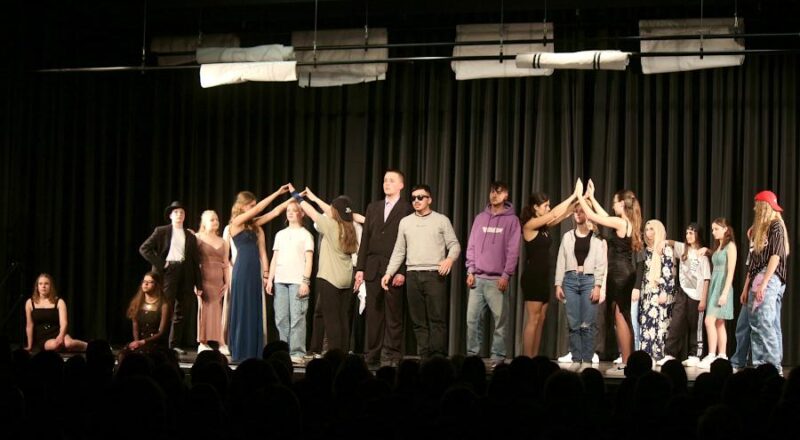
(420, 197)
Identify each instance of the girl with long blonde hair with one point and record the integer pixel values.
(46, 319)
(214, 265)
(655, 290)
(247, 324)
(766, 280)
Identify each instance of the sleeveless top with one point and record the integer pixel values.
(46, 324)
(537, 252)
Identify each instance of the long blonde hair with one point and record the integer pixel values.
(764, 218)
(347, 233)
(242, 199)
(655, 260)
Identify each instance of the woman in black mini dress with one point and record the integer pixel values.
(537, 275)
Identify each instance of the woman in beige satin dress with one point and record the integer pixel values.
(214, 266)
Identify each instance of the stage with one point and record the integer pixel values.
(611, 376)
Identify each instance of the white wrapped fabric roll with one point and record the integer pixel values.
(340, 74)
(493, 32)
(167, 47)
(267, 52)
(585, 60)
(710, 26)
(212, 75)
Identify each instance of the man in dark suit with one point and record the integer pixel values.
(384, 308)
(172, 250)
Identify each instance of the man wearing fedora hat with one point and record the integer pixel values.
(172, 250)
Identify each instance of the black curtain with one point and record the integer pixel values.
(89, 161)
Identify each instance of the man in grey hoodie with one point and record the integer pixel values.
(492, 254)
(428, 245)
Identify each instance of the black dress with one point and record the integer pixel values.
(621, 274)
(537, 283)
(149, 321)
(46, 325)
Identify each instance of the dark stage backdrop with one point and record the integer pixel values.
(89, 161)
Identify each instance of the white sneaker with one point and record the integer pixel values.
(224, 350)
(618, 360)
(595, 359)
(664, 360)
(617, 370)
(202, 347)
(705, 364)
(722, 356)
(566, 359)
(692, 361)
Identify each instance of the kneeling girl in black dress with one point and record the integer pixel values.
(46, 319)
(150, 313)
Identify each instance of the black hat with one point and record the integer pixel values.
(173, 206)
(342, 205)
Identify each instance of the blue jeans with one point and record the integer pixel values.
(635, 324)
(581, 314)
(739, 358)
(486, 294)
(290, 317)
(765, 324)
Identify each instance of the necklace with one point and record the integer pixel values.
(150, 305)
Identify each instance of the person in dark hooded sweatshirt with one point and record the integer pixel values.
(492, 254)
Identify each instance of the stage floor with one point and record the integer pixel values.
(606, 368)
(612, 376)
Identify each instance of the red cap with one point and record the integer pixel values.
(769, 197)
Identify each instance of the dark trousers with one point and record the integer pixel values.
(183, 330)
(427, 304)
(686, 322)
(384, 322)
(317, 344)
(334, 308)
(358, 325)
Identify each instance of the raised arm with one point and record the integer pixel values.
(326, 208)
(246, 216)
(555, 216)
(590, 194)
(613, 222)
(275, 212)
(309, 210)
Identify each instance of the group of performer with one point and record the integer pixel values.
(655, 290)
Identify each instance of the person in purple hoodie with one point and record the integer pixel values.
(492, 254)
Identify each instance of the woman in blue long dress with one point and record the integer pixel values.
(246, 325)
